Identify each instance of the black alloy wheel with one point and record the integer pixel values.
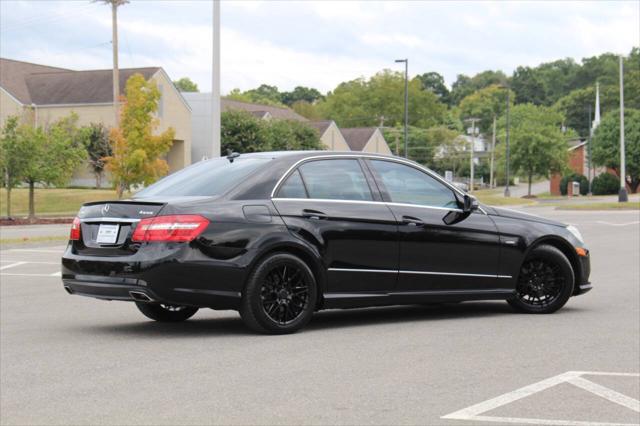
(545, 282)
(280, 295)
(284, 293)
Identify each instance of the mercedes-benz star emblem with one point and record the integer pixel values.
(105, 209)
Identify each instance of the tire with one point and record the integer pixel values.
(166, 313)
(280, 295)
(545, 282)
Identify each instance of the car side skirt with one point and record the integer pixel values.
(352, 300)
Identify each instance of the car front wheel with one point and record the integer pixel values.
(545, 282)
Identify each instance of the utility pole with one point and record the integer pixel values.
(406, 105)
(622, 196)
(215, 82)
(493, 150)
(507, 192)
(472, 151)
(114, 41)
(589, 149)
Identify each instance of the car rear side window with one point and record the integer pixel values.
(335, 180)
(206, 178)
(408, 185)
(293, 187)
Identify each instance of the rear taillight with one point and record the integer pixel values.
(74, 235)
(175, 228)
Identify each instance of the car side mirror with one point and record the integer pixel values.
(470, 203)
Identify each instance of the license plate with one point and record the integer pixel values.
(107, 234)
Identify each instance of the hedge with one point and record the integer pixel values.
(605, 184)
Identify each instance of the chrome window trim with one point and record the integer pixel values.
(109, 219)
(374, 157)
(329, 200)
(419, 272)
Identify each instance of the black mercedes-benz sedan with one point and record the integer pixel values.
(280, 235)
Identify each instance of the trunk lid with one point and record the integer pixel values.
(107, 226)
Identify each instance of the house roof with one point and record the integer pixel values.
(321, 126)
(357, 137)
(13, 73)
(43, 85)
(275, 112)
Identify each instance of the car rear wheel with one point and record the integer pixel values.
(280, 295)
(545, 282)
(166, 313)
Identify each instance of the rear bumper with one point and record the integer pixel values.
(178, 274)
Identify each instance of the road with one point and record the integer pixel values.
(73, 360)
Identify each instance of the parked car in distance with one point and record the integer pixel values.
(280, 235)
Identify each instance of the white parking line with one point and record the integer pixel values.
(31, 275)
(474, 412)
(29, 261)
(618, 224)
(12, 265)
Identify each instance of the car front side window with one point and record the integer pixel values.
(408, 185)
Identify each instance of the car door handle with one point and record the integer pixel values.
(314, 214)
(412, 221)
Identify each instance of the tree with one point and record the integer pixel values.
(241, 132)
(96, 140)
(424, 145)
(13, 157)
(307, 110)
(286, 135)
(363, 102)
(464, 85)
(486, 104)
(137, 152)
(528, 86)
(538, 145)
(576, 105)
(52, 154)
(300, 93)
(434, 82)
(606, 145)
(186, 85)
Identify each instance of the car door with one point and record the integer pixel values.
(332, 204)
(441, 247)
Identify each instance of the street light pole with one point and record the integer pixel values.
(406, 105)
(622, 195)
(507, 192)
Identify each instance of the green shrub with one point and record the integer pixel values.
(575, 177)
(605, 184)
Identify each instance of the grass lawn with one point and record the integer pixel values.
(612, 205)
(52, 202)
(495, 197)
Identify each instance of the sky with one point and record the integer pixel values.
(316, 44)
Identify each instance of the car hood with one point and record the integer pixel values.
(517, 214)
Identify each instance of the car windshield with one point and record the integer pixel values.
(206, 178)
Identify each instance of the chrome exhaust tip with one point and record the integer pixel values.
(140, 296)
(68, 289)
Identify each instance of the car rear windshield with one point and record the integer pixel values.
(206, 178)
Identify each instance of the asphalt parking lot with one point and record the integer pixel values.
(73, 360)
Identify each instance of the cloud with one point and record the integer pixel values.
(317, 44)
